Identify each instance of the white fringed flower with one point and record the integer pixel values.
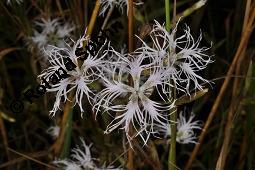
(81, 159)
(51, 32)
(77, 78)
(138, 109)
(53, 131)
(67, 164)
(185, 129)
(83, 156)
(17, 1)
(108, 4)
(181, 58)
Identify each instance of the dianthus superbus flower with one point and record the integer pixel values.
(67, 164)
(53, 131)
(180, 57)
(51, 32)
(108, 4)
(185, 129)
(81, 158)
(131, 101)
(76, 79)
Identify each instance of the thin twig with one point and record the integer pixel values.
(20, 159)
(32, 159)
(5, 138)
(130, 26)
(130, 161)
(107, 18)
(173, 115)
(93, 18)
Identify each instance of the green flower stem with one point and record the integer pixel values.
(173, 116)
(172, 151)
(67, 143)
(167, 8)
(173, 127)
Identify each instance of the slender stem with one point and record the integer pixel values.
(167, 8)
(172, 151)
(93, 18)
(173, 127)
(106, 19)
(130, 161)
(4, 137)
(173, 115)
(91, 25)
(130, 26)
(174, 13)
(32, 159)
(67, 143)
(58, 145)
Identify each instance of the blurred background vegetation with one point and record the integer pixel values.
(224, 23)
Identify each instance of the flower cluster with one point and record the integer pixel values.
(81, 159)
(136, 87)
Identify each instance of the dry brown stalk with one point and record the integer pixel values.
(60, 8)
(243, 150)
(106, 19)
(234, 101)
(20, 159)
(130, 26)
(32, 159)
(5, 138)
(130, 161)
(93, 17)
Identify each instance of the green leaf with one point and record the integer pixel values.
(187, 99)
